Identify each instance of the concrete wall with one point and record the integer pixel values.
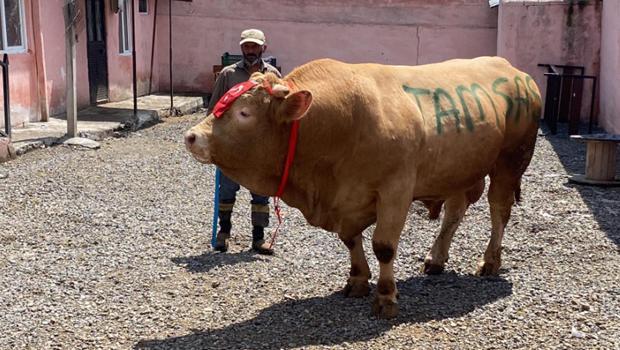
(553, 32)
(610, 68)
(391, 32)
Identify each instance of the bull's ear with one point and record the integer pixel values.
(294, 106)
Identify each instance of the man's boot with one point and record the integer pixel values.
(259, 244)
(260, 220)
(223, 236)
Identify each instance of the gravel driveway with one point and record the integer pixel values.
(110, 249)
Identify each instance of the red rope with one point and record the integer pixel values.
(290, 156)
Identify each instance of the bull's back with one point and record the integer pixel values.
(473, 112)
(455, 117)
(448, 122)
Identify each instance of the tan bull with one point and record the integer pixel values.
(374, 138)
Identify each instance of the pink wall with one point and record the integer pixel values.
(120, 65)
(22, 80)
(554, 32)
(37, 76)
(610, 68)
(52, 37)
(390, 32)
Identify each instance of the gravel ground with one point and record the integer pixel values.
(110, 249)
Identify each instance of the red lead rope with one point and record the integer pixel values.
(290, 155)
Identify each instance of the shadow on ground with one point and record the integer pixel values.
(209, 260)
(603, 202)
(334, 319)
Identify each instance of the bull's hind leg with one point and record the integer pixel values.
(504, 184)
(455, 208)
(357, 284)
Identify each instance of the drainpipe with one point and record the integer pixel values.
(153, 47)
(170, 56)
(5, 91)
(133, 60)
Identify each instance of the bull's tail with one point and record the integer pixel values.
(518, 192)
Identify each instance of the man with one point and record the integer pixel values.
(252, 47)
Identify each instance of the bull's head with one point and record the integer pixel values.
(247, 136)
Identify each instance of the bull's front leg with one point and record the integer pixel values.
(357, 284)
(391, 216)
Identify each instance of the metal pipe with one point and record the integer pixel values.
(592, 105)
(170, 57)
(5, 90)
(573, 75)
(153, 47)
(133, 59)
(581, 68)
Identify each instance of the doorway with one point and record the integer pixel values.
(97, 51)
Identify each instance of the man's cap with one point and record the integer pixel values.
(252, 35)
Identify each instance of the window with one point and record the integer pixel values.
(13, 36)
(143, 6)
(124, 26)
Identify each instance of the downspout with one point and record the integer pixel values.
(6, 94)
(153, 48)
(170, 57)
(133, 60)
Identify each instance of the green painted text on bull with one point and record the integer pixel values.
(417, 92)
(473, 91)
(440, 112)
(445, 106)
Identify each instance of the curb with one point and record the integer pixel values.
(146, 118)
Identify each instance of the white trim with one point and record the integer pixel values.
(22, 28)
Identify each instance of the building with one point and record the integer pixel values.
(33, 33)
(527, 33)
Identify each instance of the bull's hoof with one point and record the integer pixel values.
(487, 269)
(384, 308)
(432, 269)
(356, 289)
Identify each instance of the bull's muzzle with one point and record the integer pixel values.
(190, 139)
(196, 144)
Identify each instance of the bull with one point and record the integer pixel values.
(374, 138)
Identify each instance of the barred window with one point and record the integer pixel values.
(13, 36)
(124, 26)
(143, 6)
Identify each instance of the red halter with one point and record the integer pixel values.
(224, 103)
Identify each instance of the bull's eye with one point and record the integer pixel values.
(244, 114)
